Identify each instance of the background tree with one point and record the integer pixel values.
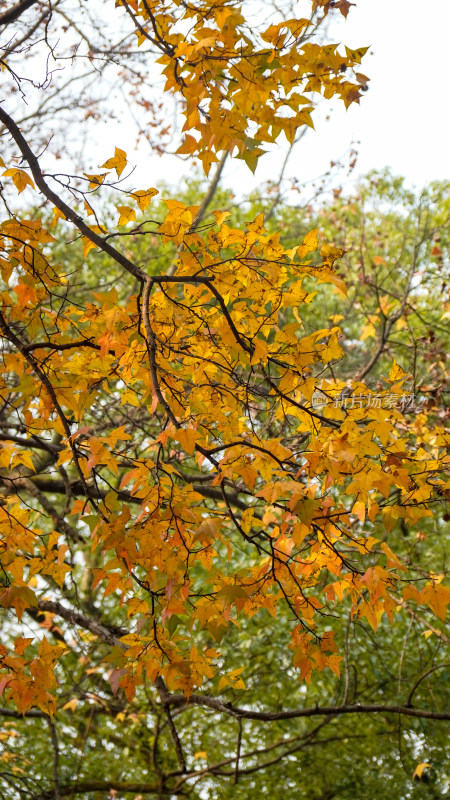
(182, 522)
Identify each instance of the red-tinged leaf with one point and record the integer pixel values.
(18, 597)
(115, 677)
(344, 6)
(21, 644)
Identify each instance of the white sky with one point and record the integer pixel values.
(403, 119)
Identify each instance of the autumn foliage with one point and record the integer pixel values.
(163, 445)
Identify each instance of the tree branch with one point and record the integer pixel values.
(16, 11)
(55, 744)
(68, 212)
(179, 701)
(107, 635)
(103, 786)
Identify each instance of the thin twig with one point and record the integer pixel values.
(238, 751)
(55, 745)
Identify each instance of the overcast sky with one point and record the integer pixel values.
(403, 121)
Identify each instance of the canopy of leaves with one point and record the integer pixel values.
(210, 518)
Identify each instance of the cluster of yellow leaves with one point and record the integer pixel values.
(231, 356)
(20, 243)
(30, 681)
(242, 85)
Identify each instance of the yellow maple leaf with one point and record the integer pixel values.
(89, 210)
(189, 145)
(209, 41)
(327, 276)
(310, 240)
(23, 457)
(437, 598)
(396, 373)
(417, 774)
(70, 705)
(187, 438)
(330, 254)
(126, 215)
(359, 509)
(221, 216)
(94, 180)
(57, 215)
(143, 197)
(207, 158)
(118, 161)
(21, 179)
(88, 245)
